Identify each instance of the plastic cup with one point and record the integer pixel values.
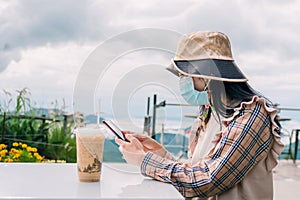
(89, 143)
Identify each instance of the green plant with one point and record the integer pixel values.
(61, 141)
(61, 144)
(52, 137)
(16, 127)
(23, 101)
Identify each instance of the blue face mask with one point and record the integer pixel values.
(191, 95)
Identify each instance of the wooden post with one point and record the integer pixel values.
(162, 134)
(148, 106)
(296, 144)
(65, 123)
(147, 119)
(43, 125)
(154, 116)
(3, 127)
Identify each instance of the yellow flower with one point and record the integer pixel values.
(19, 152)
(13, 151)
(3, 146)
(3, 152)
(16, 156)
(38, 156)
(34, 149)
(8, 160)
(15, 144)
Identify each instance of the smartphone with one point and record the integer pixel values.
(115, 129)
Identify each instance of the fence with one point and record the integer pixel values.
(55, 143)
(42, 118)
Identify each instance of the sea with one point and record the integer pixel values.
(175, 133)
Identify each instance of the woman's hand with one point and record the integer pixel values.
(133, 151)
(150, 145)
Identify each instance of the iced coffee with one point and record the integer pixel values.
(90, 143)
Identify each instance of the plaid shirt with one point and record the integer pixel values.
(244, 141)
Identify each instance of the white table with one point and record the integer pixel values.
(59, 181)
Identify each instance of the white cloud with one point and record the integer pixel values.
(26, 25)
(48, 71)
(44, 44)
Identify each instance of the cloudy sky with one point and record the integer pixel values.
(45, 44)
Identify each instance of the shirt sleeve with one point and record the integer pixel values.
(169, 156)
(242, 144)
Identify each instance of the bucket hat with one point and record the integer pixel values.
(206, 54)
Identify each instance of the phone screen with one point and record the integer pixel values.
(114, 129)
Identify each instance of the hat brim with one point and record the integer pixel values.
(172, 69)
(221, 70)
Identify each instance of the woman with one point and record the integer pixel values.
(238, 162)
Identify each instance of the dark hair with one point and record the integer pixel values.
(228, 95)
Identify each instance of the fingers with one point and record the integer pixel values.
(127, 132)
(119, 141)
(134, 142)
(133, 145)
(130, 138)
(147, 142)
(140, 137)
(123, 145)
